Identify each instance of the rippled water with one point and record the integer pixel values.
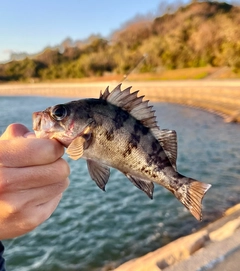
(91, 229)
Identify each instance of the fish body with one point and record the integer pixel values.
(119, 130)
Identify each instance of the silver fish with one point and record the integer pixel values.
(120, 130)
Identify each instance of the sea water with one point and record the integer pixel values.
(91, 229)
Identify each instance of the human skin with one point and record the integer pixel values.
(33, 177)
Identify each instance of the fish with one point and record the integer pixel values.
(120, 130)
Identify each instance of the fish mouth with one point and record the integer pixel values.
(36, 120)
(41, 124)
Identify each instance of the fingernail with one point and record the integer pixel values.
(30, 135)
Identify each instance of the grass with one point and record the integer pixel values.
(179, 74)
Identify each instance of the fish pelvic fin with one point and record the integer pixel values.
(99, 173)
(146, 186)
(191, 194)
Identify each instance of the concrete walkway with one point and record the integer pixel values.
(222, 253)
(218, 256)
(230, 263)
(213, 248)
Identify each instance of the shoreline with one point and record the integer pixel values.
(221, 97)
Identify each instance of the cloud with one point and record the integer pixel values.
(5, 55)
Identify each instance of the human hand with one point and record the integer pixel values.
(33, 177)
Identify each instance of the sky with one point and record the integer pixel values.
(32, 25)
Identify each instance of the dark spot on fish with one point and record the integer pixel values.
(109, 135)
(132, 144)
(158, 162)
(138, 127)
(148, 171)
(135, 138)
(175, 181)
(156, 159)
(127, 152)
(120, 117)
(154, 146)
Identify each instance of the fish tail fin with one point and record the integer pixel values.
(191, 194)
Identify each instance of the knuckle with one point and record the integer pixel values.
(10, 130)
(31, 222)
(4, 182)
(62, 186)
(5, 153)
(65, 168)
(9, 208)
(57, 150)
(32, 219)
(13, 210)
(49, 150)
(66, 183)
(62, 168)
(14, 130)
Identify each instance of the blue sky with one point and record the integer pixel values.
(30, 26)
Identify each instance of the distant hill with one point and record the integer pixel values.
(196, 35)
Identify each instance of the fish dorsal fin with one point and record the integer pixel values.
(75, 149)
(143, 185)
(168, 141)
(133, 104)
(99, 173)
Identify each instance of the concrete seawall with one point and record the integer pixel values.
(210, 248)
(220, 97)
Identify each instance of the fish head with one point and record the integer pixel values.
(63, 122)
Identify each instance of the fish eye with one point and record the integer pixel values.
(59, 112)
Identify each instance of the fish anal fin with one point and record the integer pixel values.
(99, 173)
(143, 185)
(75, 149)
(168, 141)
(191, 195)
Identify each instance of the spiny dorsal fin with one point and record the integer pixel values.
(133, 104)
(168, 141)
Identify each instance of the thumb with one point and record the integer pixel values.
(14, 130)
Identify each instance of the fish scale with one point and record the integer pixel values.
(120, 130)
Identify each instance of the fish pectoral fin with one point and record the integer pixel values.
(75, 149)
(99, 173)
(143, 185)
(168, 141)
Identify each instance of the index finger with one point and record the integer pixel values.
(24, 152)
